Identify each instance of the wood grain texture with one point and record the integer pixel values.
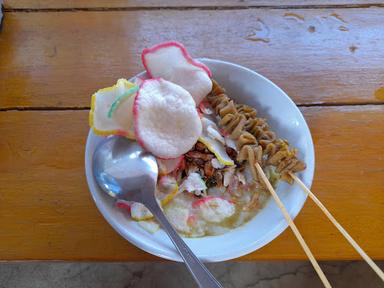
(57, 4)
(46, 211)
(58, 59)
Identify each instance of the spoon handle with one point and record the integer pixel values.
(200, 273)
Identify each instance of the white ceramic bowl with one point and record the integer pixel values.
(248, 87)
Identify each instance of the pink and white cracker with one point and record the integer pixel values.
(166, 120)
(172, 62)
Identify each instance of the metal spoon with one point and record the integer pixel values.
(125, 171)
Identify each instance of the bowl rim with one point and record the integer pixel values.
(267, 238)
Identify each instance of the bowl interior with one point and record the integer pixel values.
(248, 87)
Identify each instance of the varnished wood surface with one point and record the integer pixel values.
(104, 4)
(54, 54)
(46, 211)
(318, 56)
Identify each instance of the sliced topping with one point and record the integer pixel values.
(230, 143)
(166, 121)
(214, 141)
(172, 62)
(167, 189)
(125, 205)
(149, 225)
(167, 166)
(215, 134)
(111, 110)
(216, 164)
(193, 183)
(228, 176)
(178, 216)
(214, 209)
(140, 212)
(218, 149)
(205, 108)
(209, 124)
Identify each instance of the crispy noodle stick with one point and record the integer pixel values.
(364, 255)
(293, 227)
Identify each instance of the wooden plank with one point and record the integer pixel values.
(46, 211)
(59, 59)
(60, 4)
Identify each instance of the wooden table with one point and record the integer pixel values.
(327, 55)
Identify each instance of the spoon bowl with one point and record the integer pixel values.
(125, 171)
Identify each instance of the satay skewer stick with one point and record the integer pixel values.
(293, 227)
(359, 250)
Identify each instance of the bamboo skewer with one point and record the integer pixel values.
(364, 255)
(293, 227)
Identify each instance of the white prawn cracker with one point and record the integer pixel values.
(112, 110)
(166, 121)
(172, 62)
